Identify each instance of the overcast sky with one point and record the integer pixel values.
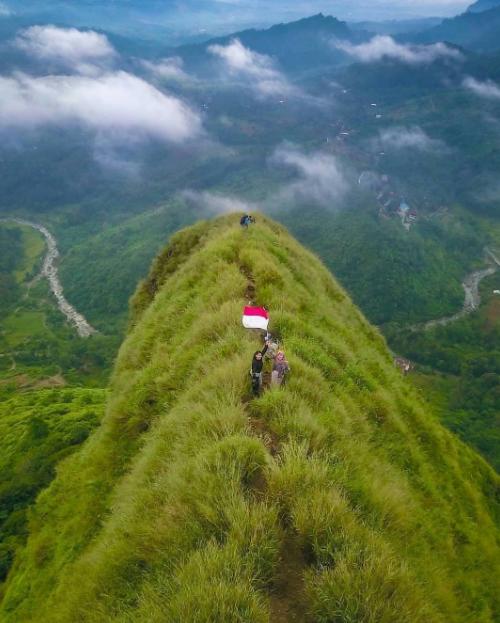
(353, 9)
(223, 16)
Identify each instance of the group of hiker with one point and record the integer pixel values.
(257, 318)
(279, 364)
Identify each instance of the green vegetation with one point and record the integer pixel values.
(20, 326)
(466, 357)
(33, 249)
(124, 251)
(37, 430)
(392, 274)
(338, 497)
(35, 339)
(21, 251)
(11, 245)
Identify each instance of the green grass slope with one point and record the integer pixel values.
(338, 497)
(37, 430)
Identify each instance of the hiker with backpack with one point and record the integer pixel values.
(280, 369)
(246, 220)
(256, 370)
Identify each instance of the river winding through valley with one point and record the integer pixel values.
(472, 299)
(50, 272)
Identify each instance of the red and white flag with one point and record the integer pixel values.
(255, 318)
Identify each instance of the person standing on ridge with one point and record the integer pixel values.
(280, 368)
(256, 370)
(245, 220)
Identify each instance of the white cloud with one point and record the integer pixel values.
(121, 109)
(215, 203)
(167, 68)
(321, 178)
(409, 138)
(383, 46)
(4, 10)
(117, 156)
(115, 103)
(69, 47)
(488, 89)
(257, 68)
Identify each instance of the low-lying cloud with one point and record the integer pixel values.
(71, 48)
(487, 89)
(258, 69)
(319, 179)
(167, 68)
(216, 203)
(409, 138)
(112, 102)
(384, 47)
(121, 110)
(320, 176)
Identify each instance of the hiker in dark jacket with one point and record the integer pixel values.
(246, 220)
(258, 363)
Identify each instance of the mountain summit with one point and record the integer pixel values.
(296, 45)
(337, 497)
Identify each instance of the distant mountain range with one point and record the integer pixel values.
(483, 5)
(396, 27)
(297, 45)
(474, 30)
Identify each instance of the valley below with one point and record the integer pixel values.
(472, 300)
(50, 272)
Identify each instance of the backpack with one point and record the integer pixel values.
(243, 219)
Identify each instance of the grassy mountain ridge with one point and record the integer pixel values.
(336, 498)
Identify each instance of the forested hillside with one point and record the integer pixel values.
(10, 243)
(338, 496)
(475, 30)
(37, 430)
